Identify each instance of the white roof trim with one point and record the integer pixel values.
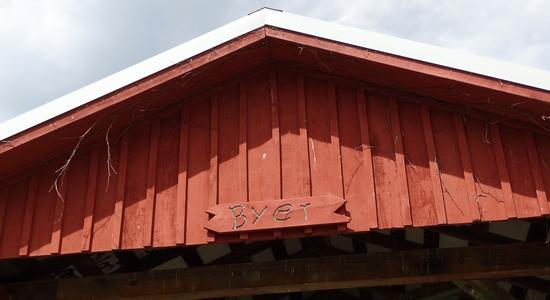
(379, 42)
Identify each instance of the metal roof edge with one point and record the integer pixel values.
(452, 59)
(131, 74)
(267, 17)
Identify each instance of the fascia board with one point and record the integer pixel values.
(451, 59)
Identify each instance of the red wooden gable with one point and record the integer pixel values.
(275, 115)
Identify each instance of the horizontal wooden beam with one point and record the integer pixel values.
(320, 273)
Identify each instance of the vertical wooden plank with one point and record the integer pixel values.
(121, 187)
(324, 178)
(263, 148)
(90, 199)
(400, 163)
(489, 198)
(467, 166)
(335, 155)
(536, 171)
(243, 153)
(29, 210)
(294, 156)
(75, 197)
(451, 173)
(503, 172)
(165, 219)
(182, 177)
(263, 142)
(151, 183)
(354, 174)
(4, 192)
(197, 173)
(213, 169)
(386, 179)
(422, 195)
(13, 221)
(43, 216)
(275, 134)
(434, 170)
(542, 144)
(366, 149)
(228, 145)
(304, 149)
(516, 152)
(106, 195)
(137, 186)
(58, 216)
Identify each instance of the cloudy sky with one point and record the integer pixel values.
(49, 48)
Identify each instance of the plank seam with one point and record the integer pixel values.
(87, 229)
(181, 198)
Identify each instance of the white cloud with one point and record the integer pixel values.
(49, 48)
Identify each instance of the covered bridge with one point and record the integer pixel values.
(280, 157)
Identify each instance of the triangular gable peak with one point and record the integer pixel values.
(276, 114)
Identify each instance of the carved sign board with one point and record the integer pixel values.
(276, 214)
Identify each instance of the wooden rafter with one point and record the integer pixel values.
(483, 289)
(321, 273)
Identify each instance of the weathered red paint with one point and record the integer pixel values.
(276, 214)
(305, 125)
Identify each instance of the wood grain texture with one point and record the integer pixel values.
(503, 172)
(335, 154)
(419, 179)
(120, 195)
(542, 144)
(397, 135)
(356, 171)
(165, 218)
(450, 167)
(181, 206)
(491, 204)
(263, 157)
(73, 215)
(197, 173)
(279, 134)
(106, 195)
(87, 230)
(136, 186)
(293, 134)
(434, 169)
(4, 193)
(295, 275)
(536, 171)
(149, 214)
(61, 193)
(228, 145)
(243, 148)
(29, 210)
(276, 214)
(13, 219)
(213, 152)
(318, 112)
(275, 132)
(386, 179)
(467, 167)
(519, 170)
(370, 193)
(303, 141)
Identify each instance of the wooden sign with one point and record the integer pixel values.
(276, 214)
